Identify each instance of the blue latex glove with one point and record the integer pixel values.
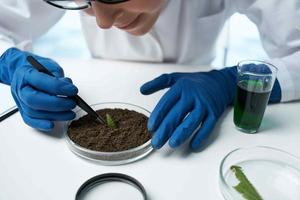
(41, 99)
(193, 99)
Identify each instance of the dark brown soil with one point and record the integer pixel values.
(131, 131)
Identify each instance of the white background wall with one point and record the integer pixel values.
(65, 40)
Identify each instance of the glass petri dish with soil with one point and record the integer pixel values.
(123, 140)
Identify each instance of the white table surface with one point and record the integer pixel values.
(34, 165)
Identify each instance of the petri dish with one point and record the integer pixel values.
(112, 186)
(110, 158)
(275, 174)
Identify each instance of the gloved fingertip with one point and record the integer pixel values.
(155, 143)
(73, 115)
(46, 126)
(70, 116)
(173, 143)
(195, 145)
(150, 125)
(58, 74)
(73, 105)
(70, 90)
(144, 89)
(67, 79)
(49, 126)
(74, 90)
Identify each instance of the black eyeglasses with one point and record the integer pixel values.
(79, 4)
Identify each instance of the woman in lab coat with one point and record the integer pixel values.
(177, 31)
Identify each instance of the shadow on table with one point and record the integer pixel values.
(270, 122)
(274, 121)
(184, 150)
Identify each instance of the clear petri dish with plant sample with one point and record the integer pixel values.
(123, 139)
(260, 173)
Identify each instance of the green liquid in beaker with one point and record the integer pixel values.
(250, 104)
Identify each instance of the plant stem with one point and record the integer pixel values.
(110, 122)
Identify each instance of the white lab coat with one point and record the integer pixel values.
(185, 33)
(21, 21)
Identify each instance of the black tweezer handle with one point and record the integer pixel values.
(8, 114)
(79, 101)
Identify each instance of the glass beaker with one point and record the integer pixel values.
(254, 86)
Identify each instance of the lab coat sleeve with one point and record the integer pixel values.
(5, 43)
(22, 21)
(278, 22)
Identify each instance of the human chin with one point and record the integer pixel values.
(139, 30)
(142, 27)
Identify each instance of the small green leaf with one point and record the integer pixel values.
(110, 122)
(245, 188)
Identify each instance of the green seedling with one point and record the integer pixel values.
(110, 122)
(245, 188)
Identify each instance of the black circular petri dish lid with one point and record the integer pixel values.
(111, 186)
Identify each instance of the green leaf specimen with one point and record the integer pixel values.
(110, 122)
(245, 188)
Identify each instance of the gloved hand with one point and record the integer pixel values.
(41, 99)
(194, 100)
